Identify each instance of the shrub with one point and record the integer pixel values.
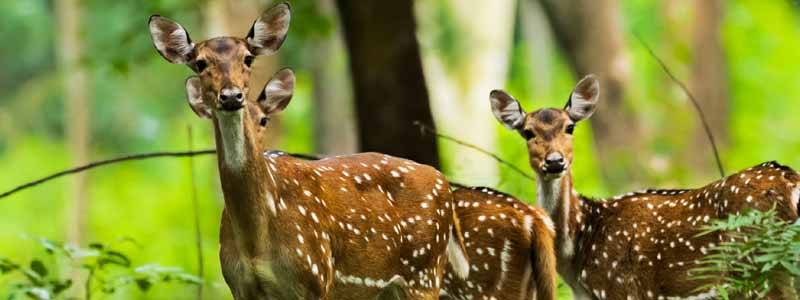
(107, 270)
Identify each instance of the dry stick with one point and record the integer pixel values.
(198, 234)
(691, 97)
(425, 128)
(104, 162)
(142, 156)
(139, 156)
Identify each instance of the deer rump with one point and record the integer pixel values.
(510, 246)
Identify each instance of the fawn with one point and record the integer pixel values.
(639, 245)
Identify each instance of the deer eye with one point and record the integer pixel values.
(528, 134)
(263, 121)
(248, 60)
(570, 128)
(200, 65)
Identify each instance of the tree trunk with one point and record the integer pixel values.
(589, 32)
(334, 120)
(539, 40)
(74, 83)
(388, 83)
(461, 89)
(708, 82)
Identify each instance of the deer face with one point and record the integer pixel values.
(222, 64)
(548, 131)
(273, 98)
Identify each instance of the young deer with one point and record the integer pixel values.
(352, 227)
(510, 245)
(640, 245)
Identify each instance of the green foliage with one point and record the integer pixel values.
(760, 253)
(107, 270)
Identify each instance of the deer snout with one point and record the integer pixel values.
(554, 163)
(231, 98)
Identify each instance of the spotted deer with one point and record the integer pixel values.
(640, 245)
(510, 246)
(363, 226)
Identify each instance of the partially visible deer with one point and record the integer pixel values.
(640, 245)
(510, 245)
(351, 227)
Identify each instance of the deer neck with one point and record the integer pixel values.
(565, 207)
(244, 175)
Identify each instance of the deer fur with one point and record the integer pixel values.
(510, 245)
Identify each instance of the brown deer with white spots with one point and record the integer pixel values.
(641, 245)
(363, 226)
(510, 246)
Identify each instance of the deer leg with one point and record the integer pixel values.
(397, 289)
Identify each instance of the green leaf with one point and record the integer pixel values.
(38, 267)
(144, 284)
(59, 287)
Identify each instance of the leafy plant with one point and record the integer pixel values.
(760, 255)
(107, 270)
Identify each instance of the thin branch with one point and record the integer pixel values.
(691, 97)
(427, 129)
(102, 163)
(139, 156)
(196, 206)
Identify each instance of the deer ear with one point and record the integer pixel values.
(194, 95)
(269, 30)
(507, 109)
(278, 92)
(583, 100)
(171, 40)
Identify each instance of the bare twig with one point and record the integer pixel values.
(691, 97)
(101, 163)
(425, 129)
(138, 156)
(196, 206)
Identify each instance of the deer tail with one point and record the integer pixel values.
(543, 260)
(456, 249)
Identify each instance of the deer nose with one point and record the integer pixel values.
(231, 98)
(554, 162)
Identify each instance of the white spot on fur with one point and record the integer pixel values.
(505, 258)
(528, 223)
(456, 257)
(271, 203)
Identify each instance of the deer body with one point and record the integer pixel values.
(363, 226)
(641, 245)
(343, 231)
(510, 245)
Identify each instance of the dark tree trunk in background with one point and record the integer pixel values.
(388, 83)
(708, 82)
(590, 33)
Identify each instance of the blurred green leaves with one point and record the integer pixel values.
(107, 271)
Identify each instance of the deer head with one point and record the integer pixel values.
(222, 64)
(274, 98)
(548, 131)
